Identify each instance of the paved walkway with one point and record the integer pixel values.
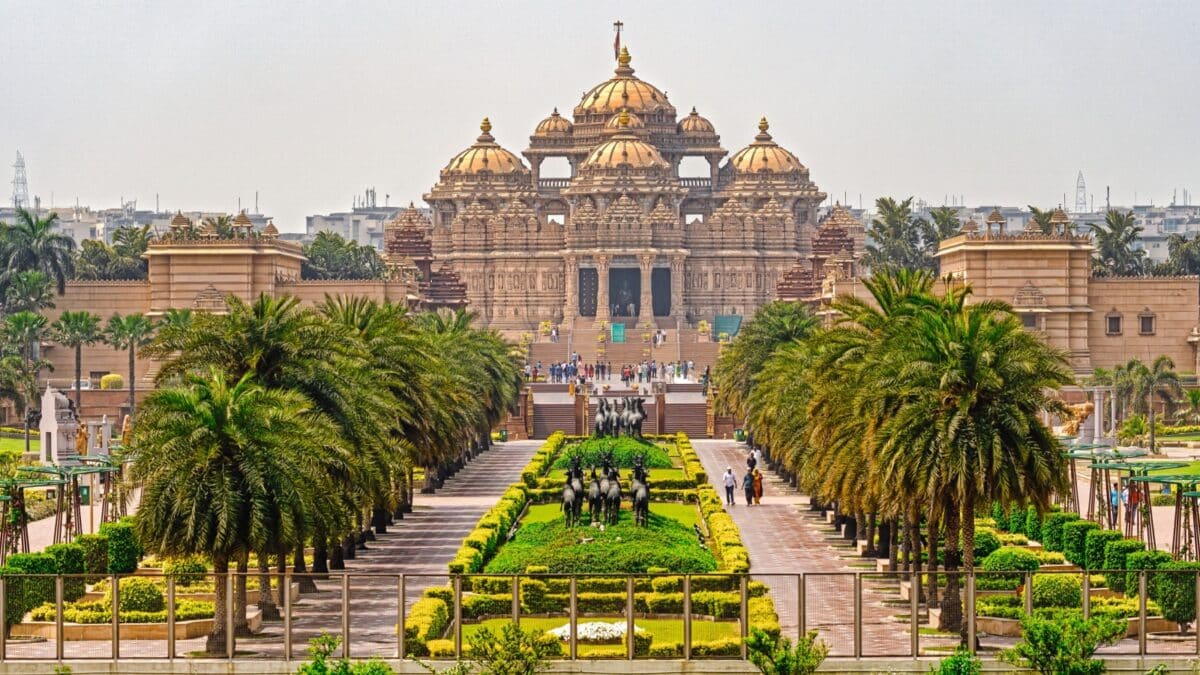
(785, 539)
(421, 544)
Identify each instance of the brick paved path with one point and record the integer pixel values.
(421, 544)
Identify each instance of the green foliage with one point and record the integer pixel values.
(1115, 555)
(1074, 540)
(1057, 590)
(95, 555)
(112, 381)
(1016, 520)
(321, 649)
(70, 560)
(27, 592)
(1095, 542)
(774, 655)
(962, 662)
(123, 547)
(624, 450)
(999, 516)
(330, 256)
(188, 571)
(1063, 647)
(137, 595)
(1007, 559)
(986, 543)
(1033, 523)
(1174, 590)
(1052, 525)
(1142, 560)
(100, 612)
(620, 548)
(427, 620)
(514, 651)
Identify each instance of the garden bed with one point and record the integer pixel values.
(184, 630)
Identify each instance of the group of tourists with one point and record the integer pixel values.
(645, 372)
(1118, 496)
(752, 481)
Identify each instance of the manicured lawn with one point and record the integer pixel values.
(18, 444)
(1180, 437)
(1192, 468)
(663, 630)
(687, 514)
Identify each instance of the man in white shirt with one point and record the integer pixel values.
(730, 483)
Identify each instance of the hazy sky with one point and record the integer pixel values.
(311, 102)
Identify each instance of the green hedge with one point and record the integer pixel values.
(1057, 590)
(98, 612)
(1142, 560)
(1052, 525)
(123, 547)
(1174, 589)
(95, 555)
(1033, 524)
(1016, 520)
(1074, 540)
(1007, 559)
(427, 620)
(1000, 517)
(71, 561)
(986, 543)
(624, 450)
(27, 592)
(1094, 543)
(1115, 555)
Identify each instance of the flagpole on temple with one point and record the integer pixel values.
(617, 26)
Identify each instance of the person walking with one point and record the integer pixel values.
(730, 483)
(757, 456)
(758, 486)
(748, 487)
(1114, 499)
(751, 462)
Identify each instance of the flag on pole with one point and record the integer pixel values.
(617, 46)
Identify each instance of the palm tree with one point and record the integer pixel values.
(1042, 218)
(895, 240)
(1191, 410)
(34, 243)
(75, 330)
(1116, 239)
(1159, 380)
(25, 331)
(773, 326)
(222, 225)
(130, 332)
(28, 291)
(224, 469)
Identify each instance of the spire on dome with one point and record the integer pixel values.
(763, 136)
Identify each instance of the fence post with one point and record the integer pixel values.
(629, 627)
(457, 616)
(400, 618)
(516, 600)
(58, 617)
(971, 611)
(285, 594)
(1142, 613)
(801, 594)
(1028, 582)
(116, 618)
(574, 608)
(744, 626)
(1198, 613)
(857, 616)
(345, 615)
(1087, 597)
(4, 605)
(687, 617)
(914, 611)
(171, 617)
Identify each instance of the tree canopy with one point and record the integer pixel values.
(330, 256)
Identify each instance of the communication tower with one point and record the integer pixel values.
(1080, 194)
(20, 183)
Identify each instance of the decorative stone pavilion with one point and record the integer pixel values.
(625, 237)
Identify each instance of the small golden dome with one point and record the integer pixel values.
(695, 124)
(624, 121)
(270, 231)
(625, 149)
(553, 125)
(994, 218)
(623, 91)
(180, 221)
(1059, 217)
(485, 155)
(970, 226)
(765, 154)
(243, 221)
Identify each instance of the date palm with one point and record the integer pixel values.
(1042, 218)
(33, 243)
(1116, 253)
(1158, 381)
(28, 291)
(1191, 407)
(226, 469)
(773, 325)
(130, 333)
(77, 329)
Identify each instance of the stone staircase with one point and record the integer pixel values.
(551, 417)
(690, 418)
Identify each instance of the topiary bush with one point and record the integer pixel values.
(1074, 540)
(1094, 543)
(999, 516)
(1115, 555)
(1057, 590)
(986, 543)
(95, 555)
(1007, 559)
(1016, 520)
(1052, 525)
(1033, 524)
(70, 560)
(123, 547)
(1142, 560)
(187, 571)
(112, 381)
(26, 592)
(624, 450)
(1063, 645)
(962, 662)
(138, 595)
(1174, 589)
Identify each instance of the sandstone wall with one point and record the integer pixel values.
(1174, 302)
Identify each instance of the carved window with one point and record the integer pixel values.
(1146, 322)
(1029, 320)
(1112, 324)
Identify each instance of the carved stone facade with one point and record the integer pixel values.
(625, 237)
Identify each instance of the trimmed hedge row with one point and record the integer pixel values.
(1052, 529)
(1074, 540)
(665, 584)
(427, 620)
(552, 495)
(691, 461)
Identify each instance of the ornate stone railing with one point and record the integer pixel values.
(696, 182)
(553, 183)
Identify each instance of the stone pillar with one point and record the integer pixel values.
(1098, 414)
(677, 309)
(571, 286)
(714, 165)
(602, 303)
(646, 303)
(535, 167)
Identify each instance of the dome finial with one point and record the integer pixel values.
(485, 126)
(763, 125)
(624, 58)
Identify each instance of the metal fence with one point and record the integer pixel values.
(862, 614)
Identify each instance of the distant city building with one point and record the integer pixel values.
(363, 223)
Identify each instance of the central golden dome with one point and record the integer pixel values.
(625, 149)
(623, 91)
(764, 155)
(553, 125)
(485, 155)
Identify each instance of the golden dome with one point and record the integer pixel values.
(623, 91)
(553, 125)
(632, 123)
(485, 155)
(765, 155)
(695, 124)
(625, 149)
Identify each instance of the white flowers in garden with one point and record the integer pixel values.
(594, 631)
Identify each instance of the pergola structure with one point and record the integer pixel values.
(1093, 453)
(1185, 530)
(14, 534)
(68, 520)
